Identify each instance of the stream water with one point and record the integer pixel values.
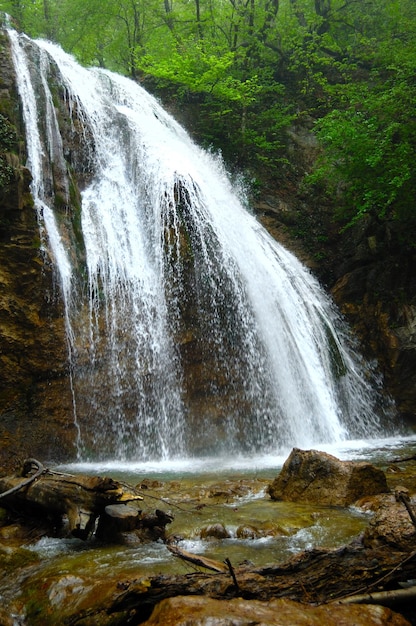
(232, 493)
(50, 574)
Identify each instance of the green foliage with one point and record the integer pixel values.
(6, 172)
(8, 135)
(250, 66)
(369, 138)
(197, 70)
(7, 144)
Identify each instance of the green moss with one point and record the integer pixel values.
(16, 559)
(8, 135)
(36, 607)
(60, 201)
(6, 172)
(337, 362)
(77, 217)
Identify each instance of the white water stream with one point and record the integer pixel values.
(178, 279)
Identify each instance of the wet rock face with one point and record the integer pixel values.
(35, 399)
(195, 611)
(375, 285)
(318, 478)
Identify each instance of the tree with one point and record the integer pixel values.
(250, 64)
(369, 138)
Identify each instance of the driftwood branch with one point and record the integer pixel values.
(28, 464)
(232, 573)
(402, 495)
(385, 598)
(404, 459)
(200, 561)
(318, 576)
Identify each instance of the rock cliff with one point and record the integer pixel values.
(35, 395)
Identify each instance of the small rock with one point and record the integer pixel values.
(248, 532)
(65, 587)
(215, 531)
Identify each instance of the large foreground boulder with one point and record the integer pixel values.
(200, 611)
(316, 477)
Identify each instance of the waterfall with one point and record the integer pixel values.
(190, 330)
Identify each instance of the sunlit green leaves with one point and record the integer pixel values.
(370, 150)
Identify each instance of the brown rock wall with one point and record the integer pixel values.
(35, 398)
(375, 287)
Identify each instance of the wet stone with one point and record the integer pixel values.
(215, 531)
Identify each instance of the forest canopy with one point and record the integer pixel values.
(254, 67)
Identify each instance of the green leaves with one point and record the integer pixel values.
(195, 69)
(250, 65)
(369, 151)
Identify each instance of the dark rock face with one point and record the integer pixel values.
(375, 287)
(35, 398)
(316, 477)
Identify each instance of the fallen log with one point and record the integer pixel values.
(29, 464)
(53, 495)
(404, 459)
(116, 519)
(317, 576)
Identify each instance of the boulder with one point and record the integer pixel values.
(200, 611)
(315, 477)
(391, 525)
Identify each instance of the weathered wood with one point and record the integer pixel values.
(116, 519)
(385, 598)
(402, 495)
(28, 465)
(404, 459)
(200, 561)
(157, 519)
(53, 495)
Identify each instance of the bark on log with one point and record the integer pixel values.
(316, 576)
(54, 495)
(116, 519)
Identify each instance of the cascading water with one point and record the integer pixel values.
(190, 330)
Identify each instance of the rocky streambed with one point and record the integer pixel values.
(300, 553)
